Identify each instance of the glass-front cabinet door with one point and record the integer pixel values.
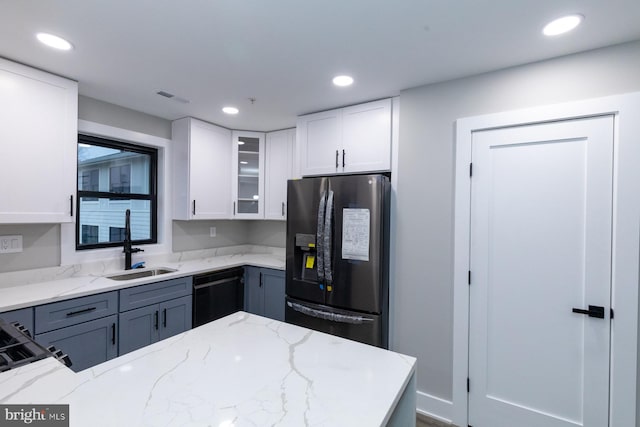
(248, 175)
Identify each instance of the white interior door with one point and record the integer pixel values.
(541, 217)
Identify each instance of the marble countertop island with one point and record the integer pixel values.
(241, 370)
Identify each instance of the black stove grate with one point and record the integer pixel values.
(17, 348)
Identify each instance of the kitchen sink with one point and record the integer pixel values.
(141, 273)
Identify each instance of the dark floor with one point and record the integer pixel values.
(424, 421)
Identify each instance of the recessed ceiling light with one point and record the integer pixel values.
(230, 110)
(343, 80)
(562, 25)
(54, 41)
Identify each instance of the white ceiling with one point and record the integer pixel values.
(284, 53)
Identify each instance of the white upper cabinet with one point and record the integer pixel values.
(279, 164)
(366, 137)
(346, 140)
(247, 187)
(38, 145)
(319, 139)
(202, 155)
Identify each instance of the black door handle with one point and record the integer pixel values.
(156, 320)
(593, 311)
(164, 318)
(113, 334)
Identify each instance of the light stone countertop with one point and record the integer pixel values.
(241, 370)
(30, 288)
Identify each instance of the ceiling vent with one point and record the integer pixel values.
(173, 97)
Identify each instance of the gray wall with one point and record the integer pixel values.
(40, 244)
(267, 233)
(192, 235)
(102, 112)
(424, 266)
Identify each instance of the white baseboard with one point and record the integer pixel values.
(434, 407)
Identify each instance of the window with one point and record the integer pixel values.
(116, 234)
(89, 180)
(119, 179)
(89, 233)
(112, 177)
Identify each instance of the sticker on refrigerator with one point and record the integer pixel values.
(355, 234)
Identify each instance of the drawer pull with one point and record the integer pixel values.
(75, 313)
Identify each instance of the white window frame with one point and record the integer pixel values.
(626, 243)
(68, 253)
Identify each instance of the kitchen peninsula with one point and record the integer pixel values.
(237, 371)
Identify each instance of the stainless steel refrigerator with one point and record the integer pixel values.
(337, 265)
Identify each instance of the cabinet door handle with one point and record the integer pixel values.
(156, 320)
(113, 334)
(75, 313)
(337, 155)
(164, 318)
(282, 208)
(343, 154)
(234, 208)
(260, 284)
(194, 207)
(71, 205)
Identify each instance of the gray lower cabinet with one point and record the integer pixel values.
(87, 343)
(84, 328)
(165, 317)
(24, 316)
(146, 325)
(265, 292)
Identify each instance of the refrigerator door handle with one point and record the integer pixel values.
(328, 238)
(328, 315)
(320, 238)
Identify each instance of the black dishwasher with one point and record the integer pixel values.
(217, 294)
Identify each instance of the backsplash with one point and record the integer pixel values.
(25, 277)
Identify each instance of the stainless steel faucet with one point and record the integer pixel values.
(128, 250)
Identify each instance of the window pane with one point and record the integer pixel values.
(108, 216)
(89, 234)
(89, 180)
(119, 179)
(113, 170)
(116, 234)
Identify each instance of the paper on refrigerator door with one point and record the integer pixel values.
(355, 234)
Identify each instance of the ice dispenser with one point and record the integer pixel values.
(305, 257)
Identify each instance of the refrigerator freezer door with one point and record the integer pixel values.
(303, 257)
(360, 270)
(365, 328)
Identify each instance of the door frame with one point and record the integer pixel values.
(624, 370)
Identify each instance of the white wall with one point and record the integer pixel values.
(424, 238)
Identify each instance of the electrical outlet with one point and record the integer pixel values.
(212, 232)
(10, 244)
